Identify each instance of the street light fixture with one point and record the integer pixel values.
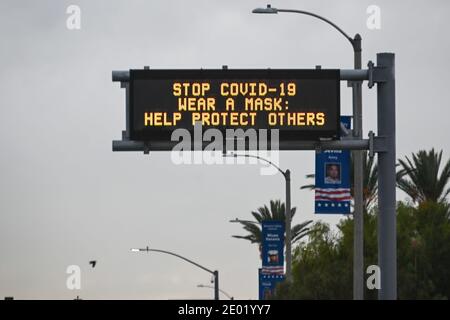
(269, 9)
(211, 287)
(215, 273)
(287, 176)
(358, 254)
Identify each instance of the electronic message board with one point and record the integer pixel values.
(302, 104)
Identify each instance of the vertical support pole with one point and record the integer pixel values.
(127, 111)
(358, 177)
(387, 222)
(287, 176)
(216, 285)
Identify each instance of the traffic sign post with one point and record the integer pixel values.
(384, 144)
(387, 219)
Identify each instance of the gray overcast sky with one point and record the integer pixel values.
(66, 198)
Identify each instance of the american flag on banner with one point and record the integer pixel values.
(333, 194)
(272, 270)
(333, 199)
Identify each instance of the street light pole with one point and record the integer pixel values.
(358, 172)
(288, 216)
(216, 285)
(287, 176)
(215, 273)
(358, 251)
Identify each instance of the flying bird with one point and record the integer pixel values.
(93, 263)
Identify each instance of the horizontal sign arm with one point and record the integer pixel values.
(346, 75)
(349, 144)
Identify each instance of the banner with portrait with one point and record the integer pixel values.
(272, 247)
(332, 185)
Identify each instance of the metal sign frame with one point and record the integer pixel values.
(383, 74)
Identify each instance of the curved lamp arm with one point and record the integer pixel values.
(356, 44)
(147, 249)
(256, 157)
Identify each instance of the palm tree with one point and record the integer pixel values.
(276, 212)
(370, 183)
(419, 177)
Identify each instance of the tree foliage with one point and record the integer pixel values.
(422, 177)
(277, 211)
(322, 267)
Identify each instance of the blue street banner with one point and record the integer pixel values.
(332, 187)
(267, 284)
(273, 247)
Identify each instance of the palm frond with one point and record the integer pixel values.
(421, 177)
(248, 237)
(276, 212)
